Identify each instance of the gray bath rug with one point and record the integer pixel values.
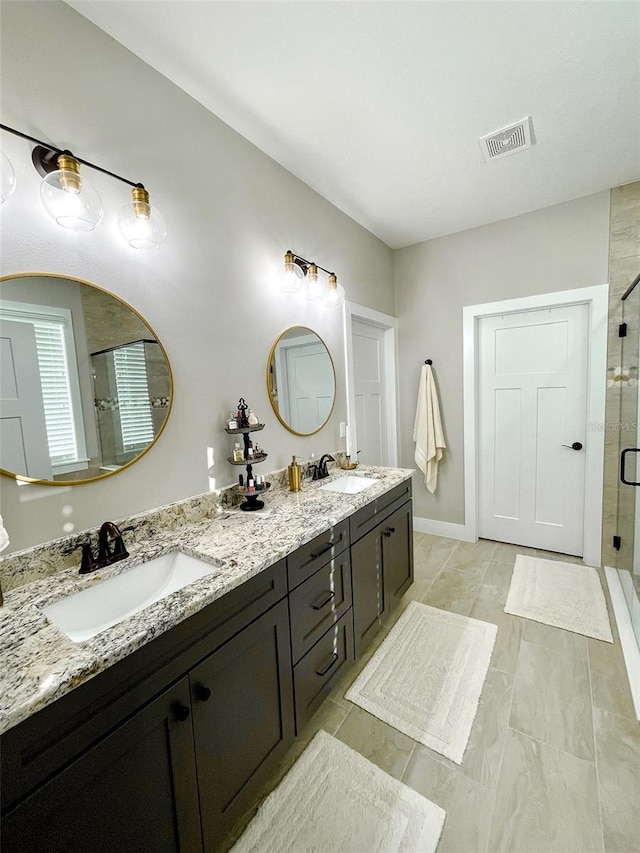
(563, 595)
(335, 801)
(426, 678)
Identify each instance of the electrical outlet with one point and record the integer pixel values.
(343, 429)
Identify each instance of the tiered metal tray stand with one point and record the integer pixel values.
(252, 500)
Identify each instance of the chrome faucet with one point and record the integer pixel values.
(320, 469)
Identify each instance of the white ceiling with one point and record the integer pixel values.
(379, 105)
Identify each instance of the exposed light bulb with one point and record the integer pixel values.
(7, 178)
(334, 297)
(141, 225)
(291, 274)
(314, 287)
(70, 199)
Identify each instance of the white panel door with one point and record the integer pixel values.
(533, 376)
(24, 448)
(369, 393)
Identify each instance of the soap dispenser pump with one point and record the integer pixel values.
(295, 476)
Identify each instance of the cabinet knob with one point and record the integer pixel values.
(389, 531)
(202, 693)
(181, 712)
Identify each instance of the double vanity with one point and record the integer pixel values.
(148, 715)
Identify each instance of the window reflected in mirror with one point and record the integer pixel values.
(301, 380)
(85, 386)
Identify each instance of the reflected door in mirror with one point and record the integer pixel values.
(301, 380)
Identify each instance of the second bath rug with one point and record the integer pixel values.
(426, 678)
(564, 595)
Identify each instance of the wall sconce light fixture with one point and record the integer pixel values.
(335, 292)
(73, 202)
(298, 273)
(141, 225)
(69, 198)
(7, 178)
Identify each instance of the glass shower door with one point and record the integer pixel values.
(626, 378)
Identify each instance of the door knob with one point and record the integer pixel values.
(577, 445)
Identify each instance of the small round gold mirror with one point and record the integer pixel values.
(85, 386)
(301, 380)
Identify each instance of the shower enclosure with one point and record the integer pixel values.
(131, 391)
(625, 376)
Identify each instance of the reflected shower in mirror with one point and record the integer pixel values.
(85, 385)
(301, 380)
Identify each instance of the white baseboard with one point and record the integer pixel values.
(441, 528)
(628, 640)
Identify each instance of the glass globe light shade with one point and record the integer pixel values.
(7, 178)
(334, 297)
(314, 286)
(70, 199)
(141, 225)
(291, 275)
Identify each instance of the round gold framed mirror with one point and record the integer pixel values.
(301, 380)
(85, 385)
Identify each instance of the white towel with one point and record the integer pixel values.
(427, 430)
(4, 537)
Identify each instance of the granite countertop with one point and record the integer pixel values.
(39, 664)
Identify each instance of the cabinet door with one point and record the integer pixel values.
(133, 792)
(369, 605)
(243, 719)
(397, 554)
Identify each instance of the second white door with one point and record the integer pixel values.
(533, 373)
(369, 393)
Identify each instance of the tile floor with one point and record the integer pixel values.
(553, 762)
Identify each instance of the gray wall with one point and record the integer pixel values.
(231, 212)
(558, 248)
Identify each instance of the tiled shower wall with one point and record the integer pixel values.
(621, 409)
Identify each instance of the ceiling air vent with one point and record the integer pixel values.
(507, 140)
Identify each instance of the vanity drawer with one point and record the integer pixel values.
(369, 516)
(319, 602)
(317, 672)
(308, 558)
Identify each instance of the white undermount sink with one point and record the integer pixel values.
(348, 485)
(84, 614)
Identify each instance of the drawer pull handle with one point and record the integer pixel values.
(389, 531)
(334, 658)
(320, 604)
(181, 712)
(202, 693)
(322, 550)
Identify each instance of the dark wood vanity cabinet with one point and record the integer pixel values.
(174, 773)
(166, 749)
(134, 791)
(381, 562)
